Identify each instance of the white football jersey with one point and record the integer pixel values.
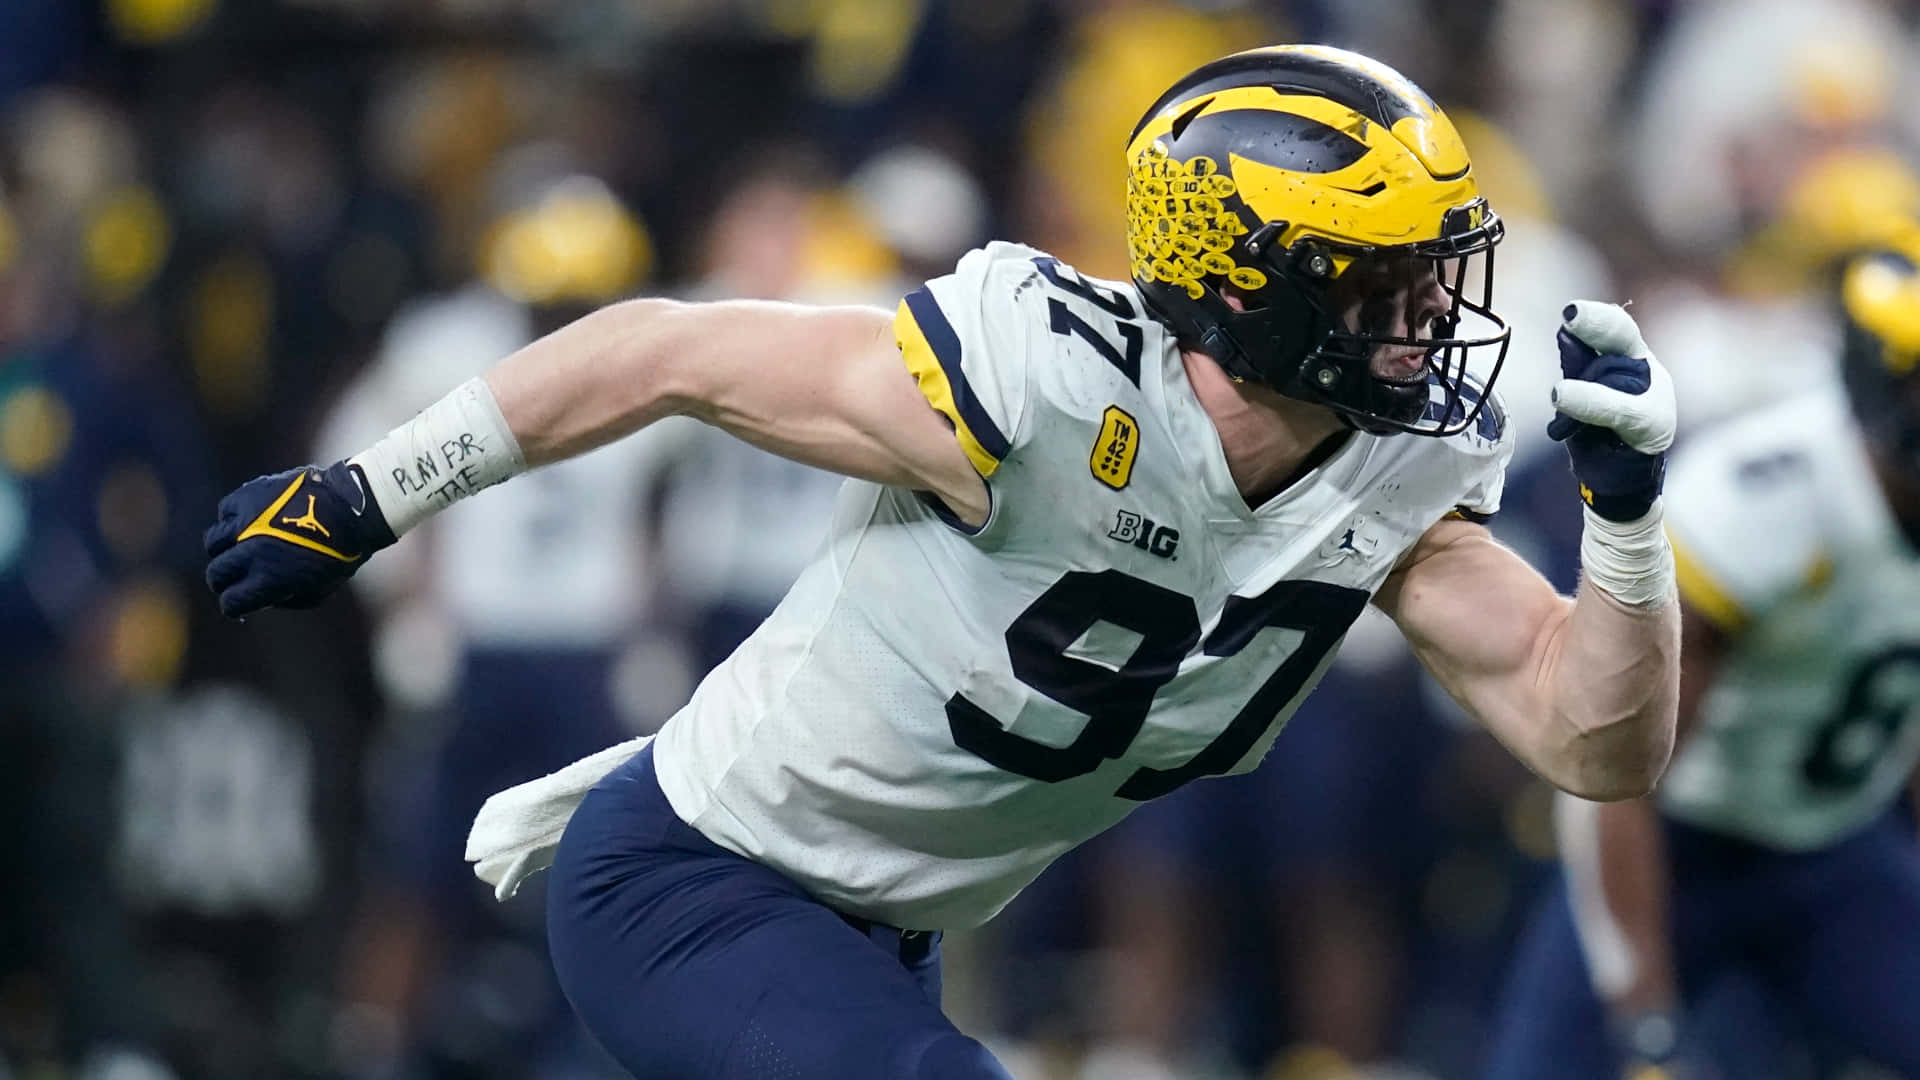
(1782, 537)
(933, 713)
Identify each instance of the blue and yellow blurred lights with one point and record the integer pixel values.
(130, 511)
(36, 426)
(859, 48)
(229, 325)
(147, 634)
(157, 22)
(9, 238)
(124, 244)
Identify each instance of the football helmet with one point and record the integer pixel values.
(1335, 204)
(1880, 362)
(565, 241)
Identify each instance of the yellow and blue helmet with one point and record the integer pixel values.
(1305, 183)
(1880, 359)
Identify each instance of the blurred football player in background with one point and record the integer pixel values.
(782, 230)
(1779, 851)
(1763, 147)
(482, 620)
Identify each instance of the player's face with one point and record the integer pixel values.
(1399, 297)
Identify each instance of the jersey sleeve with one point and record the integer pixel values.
(965, 338)
(1742, 514)
(1488, 450)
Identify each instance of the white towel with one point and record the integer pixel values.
(515, 832)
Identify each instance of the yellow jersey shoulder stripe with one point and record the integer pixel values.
(1702, 593)
(932, 352)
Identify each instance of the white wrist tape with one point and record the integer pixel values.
(1630, 560)
(453, 448)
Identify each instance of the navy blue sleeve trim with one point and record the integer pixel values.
(952, 520)
(946, 348)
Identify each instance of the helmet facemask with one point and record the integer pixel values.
(1381, 341)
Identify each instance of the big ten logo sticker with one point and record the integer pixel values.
(1144, 533)
(1179, 226)
(1114, 450)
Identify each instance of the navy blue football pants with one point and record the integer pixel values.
(1830, 939)
(688, 962)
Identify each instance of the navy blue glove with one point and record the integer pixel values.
(288, 540)
(1616, 410)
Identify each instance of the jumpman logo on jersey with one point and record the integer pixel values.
(1356, 542)
(307, 521)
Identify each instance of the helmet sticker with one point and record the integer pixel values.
(1179, 229)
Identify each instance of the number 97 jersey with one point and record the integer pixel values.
(1783, 540)
(935, 712)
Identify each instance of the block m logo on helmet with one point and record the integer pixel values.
(1307, 217)
(1464, 219)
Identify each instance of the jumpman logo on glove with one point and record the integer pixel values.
(307, 520)
(261, 556)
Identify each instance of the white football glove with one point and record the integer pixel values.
(1616, 410)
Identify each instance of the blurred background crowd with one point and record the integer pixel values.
(235, 236)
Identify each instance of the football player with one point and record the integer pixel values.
(1101, 538)
(1778, 850)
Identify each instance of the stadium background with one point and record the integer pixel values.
(237, 236)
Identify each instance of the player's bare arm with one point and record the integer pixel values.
(1584, 691)
(824, 386)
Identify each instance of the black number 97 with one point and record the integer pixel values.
(1116, 701)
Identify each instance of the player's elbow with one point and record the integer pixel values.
(1623, 759)
(1613, 785)
(652, 339)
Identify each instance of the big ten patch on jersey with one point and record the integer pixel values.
(1145, 533)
